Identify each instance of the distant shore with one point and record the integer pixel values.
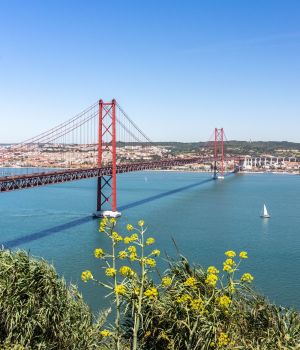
(210, 172)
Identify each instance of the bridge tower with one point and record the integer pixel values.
(107, 157)
(219, 153)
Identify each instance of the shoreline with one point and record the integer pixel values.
(210, 172)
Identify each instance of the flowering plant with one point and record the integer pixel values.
(188, 307)
(128, 265)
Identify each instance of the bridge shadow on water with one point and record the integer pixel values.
(80, 221)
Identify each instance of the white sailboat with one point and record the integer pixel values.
(265, 213)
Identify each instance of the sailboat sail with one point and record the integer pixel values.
(265, 213)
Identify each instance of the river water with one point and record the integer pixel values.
(205, 218)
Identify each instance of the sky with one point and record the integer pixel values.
(178, 68)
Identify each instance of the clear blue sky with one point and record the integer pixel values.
(179, 68)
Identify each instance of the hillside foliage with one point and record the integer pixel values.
(187, 307)
(38, 310)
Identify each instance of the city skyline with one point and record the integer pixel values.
(169, 64)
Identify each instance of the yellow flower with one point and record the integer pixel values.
(230, 254)
(156, 252)
(132, 249)
(86, 276)
(127, 240)
(223, 340)
(166, 281)
(212, 269)
(183, 299)
(103, 224)
(141, 223)
(123, 254)
(196, 304)
(243, 255)
(211, 279)
(116, 237)
(120, 289)
(129, 227)
(229, 262)
(125, 271)
(247, 277)
(110, 272)
(134, 237)
(190, 282)
(228, 268)
(99, 253)
(104, 221)
(150, 241)
(224, 301)
(113, 221)
(133, 257)
(105, 333)
(151, 262)
(151, 293)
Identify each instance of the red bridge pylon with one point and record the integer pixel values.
(219, 153)
(107, 147)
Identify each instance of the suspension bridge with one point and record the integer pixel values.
(100, 142)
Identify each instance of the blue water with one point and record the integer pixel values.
(205, 218)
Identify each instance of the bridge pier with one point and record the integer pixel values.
(219, 148)
(103, 198)
(107, 143)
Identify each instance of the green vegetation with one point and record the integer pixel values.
(38, 310)
(254, 148)
(188, 307)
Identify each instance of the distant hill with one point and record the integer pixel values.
(234, 147)
(279, 148)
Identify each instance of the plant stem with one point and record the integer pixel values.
(117, 321)
(137, 313)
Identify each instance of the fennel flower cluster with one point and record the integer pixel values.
(150, 262)
(120, 289)
(166, 281)
(150, 241)
(86, 276)
(224, 301)
(105, 333)
(183, 299)
(247, 277)
(230, 253)
(223, 340)
(126, 271)
(123, 254)
(151, 293)
(190, 282)
(212, 276)
(110, 272)
(99, 253)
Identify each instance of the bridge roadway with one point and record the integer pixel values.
(25, 181)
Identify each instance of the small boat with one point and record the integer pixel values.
(265, 213)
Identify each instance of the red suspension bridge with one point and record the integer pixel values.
(100, 142)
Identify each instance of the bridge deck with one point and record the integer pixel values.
(25, 181)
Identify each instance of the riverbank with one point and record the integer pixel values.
(189, 171)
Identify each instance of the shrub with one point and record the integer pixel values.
(190, 308)
(38, 310)
(230, 315)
